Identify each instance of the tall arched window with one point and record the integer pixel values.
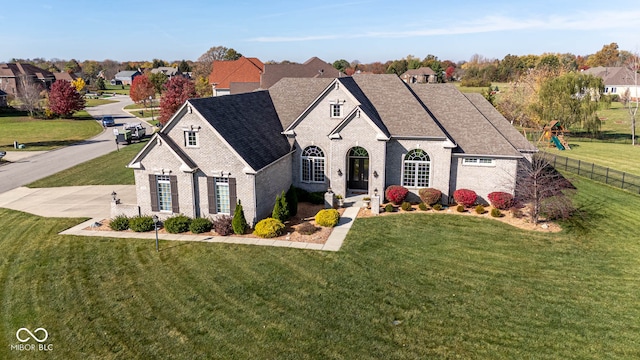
(312, 164)
(416, 169)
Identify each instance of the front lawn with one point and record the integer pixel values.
(413, 286)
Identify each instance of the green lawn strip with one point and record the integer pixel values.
(96, 102)
(410, 286)
(109, 169)
(611, 155)
(118, 89)
(39, 134)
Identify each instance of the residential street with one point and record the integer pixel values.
(29, 169)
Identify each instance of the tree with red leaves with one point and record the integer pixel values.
(178, 90)
(64, 99)
(141, 89)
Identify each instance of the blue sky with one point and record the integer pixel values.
(364, 30)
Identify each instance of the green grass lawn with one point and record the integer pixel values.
(118, 89)
(108, 169)
(96, 102)
(38, 134)
(413, 286)
(621, 157)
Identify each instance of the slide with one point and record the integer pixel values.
(557, 142)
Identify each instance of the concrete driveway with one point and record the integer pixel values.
(68, 201)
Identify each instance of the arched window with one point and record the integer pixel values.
(416, 169)
(312, 164)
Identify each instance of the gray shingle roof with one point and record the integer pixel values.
(471, 131)
(312, 68)
(292, 96)
(249, 123)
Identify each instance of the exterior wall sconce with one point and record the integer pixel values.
(375, 174)
(375, 192)
(339, 172)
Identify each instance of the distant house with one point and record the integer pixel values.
(3, 99)
(422, 75)
(65, 76)
(124, 77)
(10, 74)
(169, 71)
(617, 80)
(312, 68)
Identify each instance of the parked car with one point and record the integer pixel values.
(108, 121)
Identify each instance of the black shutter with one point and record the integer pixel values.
(233, 196)
(211, 195)
(153, 186)
(175, 205)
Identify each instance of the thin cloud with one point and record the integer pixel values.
(586, 21)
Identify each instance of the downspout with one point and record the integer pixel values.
(195, 202)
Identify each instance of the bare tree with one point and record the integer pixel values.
(543, 189)
(633, 66)
(205, 61)
(29, 93)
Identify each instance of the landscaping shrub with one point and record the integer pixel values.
(516, 213)
(422, 206)
(141, 223)
(239, 223)
(460, 208)
(480, 210)
(119, 223)
(268, 228)
(501, 200)
(327, 217)
(430, 196)
(437, 207)
(292, 201)
(465, 197)
(306, 228)
(388, 208)
(396, 194)
(281, 208)
(177, 224)
(200, 225)
(406, 206)
(495, 212)
(223, 225)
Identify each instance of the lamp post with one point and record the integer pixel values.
(155, 225)
(151, 102)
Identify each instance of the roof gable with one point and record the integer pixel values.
(241, 70)
(291, 96)
(312, 68)
(158, 139)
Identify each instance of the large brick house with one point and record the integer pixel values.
(11, 75)
(353, 134)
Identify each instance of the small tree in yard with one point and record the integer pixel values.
(29, 94)
(281, 208)
(178, 90)
(141, 89)
(64, 99)
(239, 222)
(542, 187)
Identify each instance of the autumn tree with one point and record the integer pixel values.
(177, 91)
(609, 55)
(64, 99)
(29, 94)
(72, 66)
(158, 80)
(79, 84)
(141, 89)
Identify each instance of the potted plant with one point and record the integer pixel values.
(366, 201)
(340, 200)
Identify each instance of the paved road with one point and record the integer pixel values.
(39, 166)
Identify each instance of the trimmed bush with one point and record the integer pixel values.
(465, 197)
(388, 208)
(141, 223)
(239, 222)
(430, 196)
(223, 225)
(327, 217)
(292, 201)
(480, 210)
(281, 208)
(119, 223)
(268, 228)
(406, 206)
(501, 200)
(396, 194)
(460, 208)
(200, 225)
(437, 207)
(495, 212)
(177, 224)
(306, 228)
(422, 206)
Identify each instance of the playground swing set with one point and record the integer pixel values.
(554, 135)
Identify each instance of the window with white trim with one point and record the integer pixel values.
(336, 110)
(164, 193)
(191, 139)
(478, 161)
(313, 165)
(416, 169)
(223, 204)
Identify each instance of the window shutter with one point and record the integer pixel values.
(211, 195)
(175, 205)
(233, 197)
(153, 186)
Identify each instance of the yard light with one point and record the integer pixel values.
(151, 102)
(155, 225)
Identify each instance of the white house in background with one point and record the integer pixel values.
(617, 80)
(355, 134)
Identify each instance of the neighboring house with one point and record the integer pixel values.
(355, 134)
(124, 77)
(617, 80)
(312, 68)
(10, 74)
(422, 75)
(245, 71)
(3, 99)
(65, 76)
(169, 71)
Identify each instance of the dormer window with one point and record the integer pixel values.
(336, 110)
(191, 139)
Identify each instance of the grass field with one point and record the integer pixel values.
(621, 157)
(118, 89)
(38, 134)
(403, 287)
(96, 102)
(108, 169)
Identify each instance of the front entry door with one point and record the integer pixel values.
(358, 173)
